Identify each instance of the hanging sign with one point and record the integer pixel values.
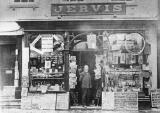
(155, 98)
(88, 9)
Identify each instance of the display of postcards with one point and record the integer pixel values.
(110, 58)
(115, 58)
(106, 44)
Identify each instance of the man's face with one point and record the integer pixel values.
(86, 68)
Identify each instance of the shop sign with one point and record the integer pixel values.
(127, 1)
(93, 1)
(88, 9)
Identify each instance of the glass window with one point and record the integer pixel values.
(31, 0)
(24, 0)
(16, 0)
(47, 64)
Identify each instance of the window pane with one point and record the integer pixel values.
(16, 0)
(24, 0)
(31, 0)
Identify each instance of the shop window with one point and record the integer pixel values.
(47, 64)
(24, 3)
(72, 0)
(24, 0)
(125, 61)
(121, 67)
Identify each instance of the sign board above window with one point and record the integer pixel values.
(93, 1)
(88, 9)
(24, 3)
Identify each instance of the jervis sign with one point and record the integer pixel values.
(88, 9)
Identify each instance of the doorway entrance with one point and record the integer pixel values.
(93, 100)
(7, 64)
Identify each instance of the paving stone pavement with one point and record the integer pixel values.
(74, 111)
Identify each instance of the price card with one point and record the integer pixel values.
(126, 100)
(108, 100)
(62, 101)
(47, 43)
(155, 98)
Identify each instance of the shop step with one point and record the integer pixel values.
(9, 102)
(87, 107)
(144, 98)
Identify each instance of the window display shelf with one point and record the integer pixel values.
(49, 91)
(56, 73)
(86, 50)
(125, 71)
(46, 78)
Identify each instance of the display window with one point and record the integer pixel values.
(90, 63)
(124, 71)
(115, 61)
(47, 63)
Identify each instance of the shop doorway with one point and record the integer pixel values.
(93, 101)
(7, 64)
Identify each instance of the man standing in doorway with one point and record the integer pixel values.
(86, 85)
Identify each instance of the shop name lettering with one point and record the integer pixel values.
(88, 9)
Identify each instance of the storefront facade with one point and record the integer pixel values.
(55, 36)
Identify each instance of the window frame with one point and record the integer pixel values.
(20, 4)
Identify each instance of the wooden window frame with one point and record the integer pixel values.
(20, 4)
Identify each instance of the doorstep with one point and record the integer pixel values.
(86, 108)
(155, 109)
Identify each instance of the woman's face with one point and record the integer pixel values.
(86, 68)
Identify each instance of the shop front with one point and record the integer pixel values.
(82, 54)
(119, 57)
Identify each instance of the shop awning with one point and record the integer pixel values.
(10, 28)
